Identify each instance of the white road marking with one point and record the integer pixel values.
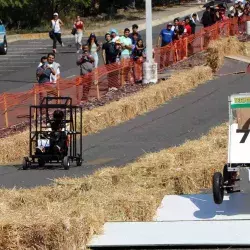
(8, 66)
(20, 61)
(6, 70)
(18, 55)
(70, 76)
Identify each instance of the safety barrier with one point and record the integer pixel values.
(14, 107)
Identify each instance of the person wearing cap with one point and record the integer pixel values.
(56, 24)
(126, 44)
(134, 31)
(166, 36)
(114, 35)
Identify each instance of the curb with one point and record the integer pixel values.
(42, 36)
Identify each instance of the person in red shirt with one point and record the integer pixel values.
(188, 29)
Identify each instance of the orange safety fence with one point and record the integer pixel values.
(14, 107)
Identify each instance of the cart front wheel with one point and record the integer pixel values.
(218, 190)
(66, 163)
(25, 163)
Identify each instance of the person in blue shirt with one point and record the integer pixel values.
(166, 36)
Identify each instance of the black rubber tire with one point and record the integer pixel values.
(41, 162)
(4, 49)
(218, 190)
(25, 163)
(66, 163)
(79, 162)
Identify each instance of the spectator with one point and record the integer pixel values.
(106, 50)
(139, 50)
(126, 44)
(79, 26)
(207, 18)
(138, 55)
(231, 12)
(178, 29)
(86, 61)
(56, 66)
(217, 16)
(188, 29)
(114, 35)
(134, 31)
(134, 41)
(109, 50)
(44, 72)
(118, 47)
(166, 36)
(42, 62)
(56, 24)
(94, 47)
(193, 20)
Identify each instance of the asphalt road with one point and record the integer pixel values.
(183, 118)
(18, 67)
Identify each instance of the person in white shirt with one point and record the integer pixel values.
(56, 24)
(56, 66)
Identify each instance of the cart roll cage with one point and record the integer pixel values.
(42, 119)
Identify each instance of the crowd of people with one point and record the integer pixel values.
(130, 44)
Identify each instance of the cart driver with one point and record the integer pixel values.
(58, 137)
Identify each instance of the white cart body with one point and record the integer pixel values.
(239, 129)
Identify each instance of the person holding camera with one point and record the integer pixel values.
(86, 61)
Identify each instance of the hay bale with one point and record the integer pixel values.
(217, 50)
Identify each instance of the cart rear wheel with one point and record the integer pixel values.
(66, 163)
(218, 189)
(25, 163)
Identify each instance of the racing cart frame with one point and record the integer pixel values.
(236, 173)
(39, 127)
